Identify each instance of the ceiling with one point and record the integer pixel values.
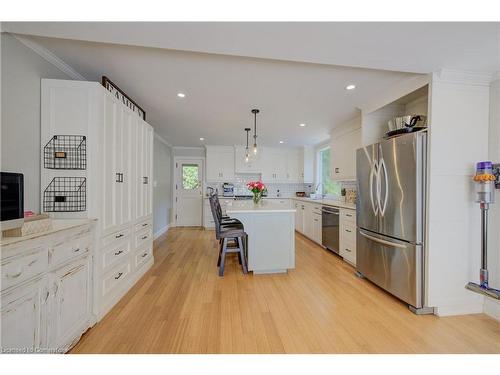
(417, 47)
(284, 69)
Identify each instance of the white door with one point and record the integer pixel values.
(189, 195)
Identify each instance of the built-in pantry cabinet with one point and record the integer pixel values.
(118, 177)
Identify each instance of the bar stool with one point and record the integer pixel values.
(231, 238)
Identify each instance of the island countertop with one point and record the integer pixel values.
(264, 206)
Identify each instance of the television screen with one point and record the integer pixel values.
(11, 196)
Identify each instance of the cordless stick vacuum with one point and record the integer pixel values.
(485, 190)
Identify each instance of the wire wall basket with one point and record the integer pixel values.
(65, 194)
(66, 152)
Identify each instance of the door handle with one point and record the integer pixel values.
(373, 175)
(383, 242)
(117, 177)
(145, 180)
(119, 252)
(119, 275)
(383, 167)
(119, 235)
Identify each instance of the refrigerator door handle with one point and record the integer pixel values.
(374, 174)
(383, 242)
(382, 166)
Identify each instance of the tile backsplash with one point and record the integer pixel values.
(274, 190)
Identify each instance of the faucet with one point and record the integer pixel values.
(317, 188)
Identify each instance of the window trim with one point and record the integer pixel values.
(319, 171)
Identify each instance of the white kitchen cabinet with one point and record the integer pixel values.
(316, 232)
(347, 236)
(241, 166)
(308, 219)
(23, 317)
(343, 154)
(274, 168)
(295, 166)
(69, 303)
(299, 216)
(308, 165)
(220, 163)
(47, 304)
(118, 173)
(143, 177)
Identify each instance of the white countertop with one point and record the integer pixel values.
(247, 206)
(327, 202)
(57, 225)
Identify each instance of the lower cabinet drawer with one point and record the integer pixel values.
(143, 255)
(348, 216)
(15, 270)
(143, 237)
(120, 235)
(67, 250)
(145, 224)
(348, 232)
(118, 276)
(114, 253)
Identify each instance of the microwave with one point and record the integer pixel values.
(11, 200)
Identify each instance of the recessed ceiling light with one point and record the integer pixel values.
(202, 139)
(350, 87)
(282, 141)
(181, 95)
(302, 125)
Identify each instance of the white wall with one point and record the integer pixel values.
(22, 70)
(162, 188)
(198, 152)
(459, 121)
(491, 307)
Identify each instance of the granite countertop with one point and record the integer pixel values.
(57, 225)
(327, 202)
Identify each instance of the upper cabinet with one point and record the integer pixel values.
(241, 166)
(220, 163)
(345, 140)
(276, 165)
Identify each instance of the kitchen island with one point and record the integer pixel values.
(271, 234)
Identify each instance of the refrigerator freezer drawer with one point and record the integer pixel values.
(394, 265)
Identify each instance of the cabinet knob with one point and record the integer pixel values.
(119, 275)
(337, 170)
(348, 250)
(119, 252)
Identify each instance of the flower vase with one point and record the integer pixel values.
(257, 197)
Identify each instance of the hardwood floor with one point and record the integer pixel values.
(182, 306)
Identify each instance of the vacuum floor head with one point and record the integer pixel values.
(490, 292)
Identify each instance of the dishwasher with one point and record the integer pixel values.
(330, 228)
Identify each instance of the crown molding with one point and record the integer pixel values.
(462, 77)
(188, 148)
(496, 76)
(50, 57)
(162, 140)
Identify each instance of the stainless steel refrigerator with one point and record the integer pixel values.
(390, 216)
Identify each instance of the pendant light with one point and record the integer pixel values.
(255, 111)
(247, 156)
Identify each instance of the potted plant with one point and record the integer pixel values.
(258, 189)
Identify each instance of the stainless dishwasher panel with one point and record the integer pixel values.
(330, 228)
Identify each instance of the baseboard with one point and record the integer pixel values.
(492, 308)
(161, 231)
(475, 308)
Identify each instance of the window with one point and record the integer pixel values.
(189, 176)
(325, 183)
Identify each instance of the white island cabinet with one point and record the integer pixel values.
(271, 234)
